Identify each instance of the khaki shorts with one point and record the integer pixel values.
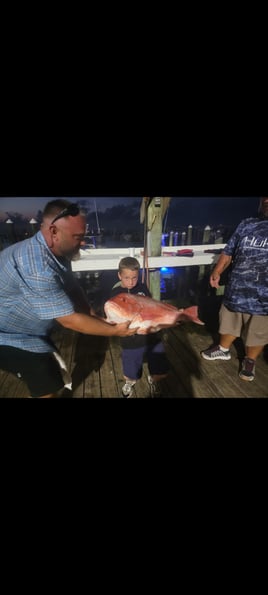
(252, 328)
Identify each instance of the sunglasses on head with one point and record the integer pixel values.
(72, 210)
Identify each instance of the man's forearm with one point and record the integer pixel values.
(221, 265)
(89, 325)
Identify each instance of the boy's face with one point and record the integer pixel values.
(128, 278)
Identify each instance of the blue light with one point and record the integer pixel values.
(164, 270)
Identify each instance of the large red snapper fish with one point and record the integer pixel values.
(148, 314)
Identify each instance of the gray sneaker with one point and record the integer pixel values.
(215, 353)
(127, 389)
(155, 388)
(248, 369)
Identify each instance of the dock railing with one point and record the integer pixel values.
(102, 259)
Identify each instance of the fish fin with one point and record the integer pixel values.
(136, 321)
(198, 321)
(191, 314)
(189, 318)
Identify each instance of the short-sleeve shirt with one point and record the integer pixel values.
(247, 286)
(32, 294)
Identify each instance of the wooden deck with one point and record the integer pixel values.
(96, 369)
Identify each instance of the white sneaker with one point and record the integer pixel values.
(215, 353)
(155, 389)
(127, 389)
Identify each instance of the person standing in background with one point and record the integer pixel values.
(245, 301)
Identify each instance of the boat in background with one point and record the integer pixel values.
(89, 238)
(94, 239)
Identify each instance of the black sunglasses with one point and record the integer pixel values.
(72, 210)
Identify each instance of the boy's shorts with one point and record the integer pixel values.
(132, 360)
(254, 328)
(40, 371)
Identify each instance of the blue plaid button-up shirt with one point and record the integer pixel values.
(32, 294)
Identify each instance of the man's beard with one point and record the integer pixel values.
(76, 256)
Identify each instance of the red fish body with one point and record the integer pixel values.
(148, 314)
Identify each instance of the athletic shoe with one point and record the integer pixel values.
(127, 389)
(248, 369)
(215, 353)
(155, 389)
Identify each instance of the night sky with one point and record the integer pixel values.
(182, 210)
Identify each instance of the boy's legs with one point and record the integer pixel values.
(158, 365)
(132, 361)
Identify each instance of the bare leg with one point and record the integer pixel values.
(248, 367)
(227, 340)
(251, 352)
(254, 352)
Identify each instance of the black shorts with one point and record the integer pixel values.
(40, 371)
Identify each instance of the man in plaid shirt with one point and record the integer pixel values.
(37, 287)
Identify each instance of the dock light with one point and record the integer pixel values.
(167, 270)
